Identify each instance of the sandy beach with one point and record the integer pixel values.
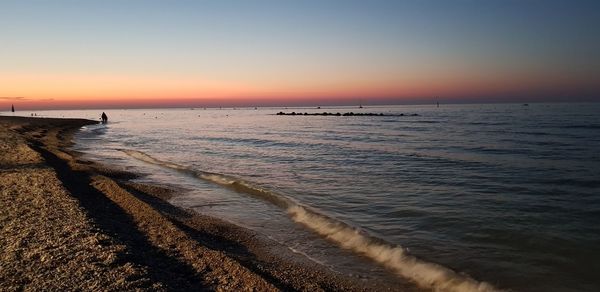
(68, 223)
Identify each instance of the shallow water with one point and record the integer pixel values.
(507, 194)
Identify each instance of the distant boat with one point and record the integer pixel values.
(525, 104)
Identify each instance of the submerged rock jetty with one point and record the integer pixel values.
(348, 114)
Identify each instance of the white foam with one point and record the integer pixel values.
(425, 274)
(149, 159)
(218, 179)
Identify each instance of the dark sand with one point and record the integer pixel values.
(70, 224)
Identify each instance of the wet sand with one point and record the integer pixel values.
(72, 224)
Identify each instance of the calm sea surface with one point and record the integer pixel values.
(505, 193)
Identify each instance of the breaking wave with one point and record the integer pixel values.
(394, 257)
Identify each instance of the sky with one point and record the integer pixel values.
(128, 53)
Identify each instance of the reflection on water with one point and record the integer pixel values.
(504, 193)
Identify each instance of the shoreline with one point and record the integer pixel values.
(160, 246)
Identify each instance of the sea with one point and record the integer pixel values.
(476, 197)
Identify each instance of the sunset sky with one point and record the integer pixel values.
(58, 54)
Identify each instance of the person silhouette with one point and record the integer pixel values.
(104, 118)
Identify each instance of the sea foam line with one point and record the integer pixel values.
(423, 273)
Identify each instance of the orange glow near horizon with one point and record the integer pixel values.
(180, 54)
(55, 91)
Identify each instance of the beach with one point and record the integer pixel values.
(459, 198)
(300, 146)
(68, 223)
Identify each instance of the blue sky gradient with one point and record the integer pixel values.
(290, 49)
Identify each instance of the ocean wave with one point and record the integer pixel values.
(589, 126)
(394, 257)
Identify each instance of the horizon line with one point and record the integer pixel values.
(311, 106)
